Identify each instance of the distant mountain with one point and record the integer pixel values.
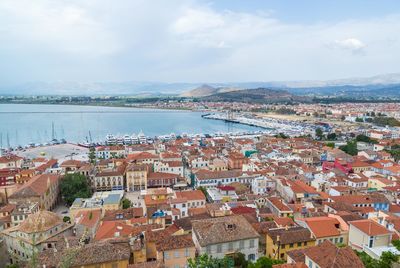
(257, 95)
(378, 85)
(207, 90)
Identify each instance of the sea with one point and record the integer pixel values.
(22, 124)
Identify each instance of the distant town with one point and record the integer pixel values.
(318, 187)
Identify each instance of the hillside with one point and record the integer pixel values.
(206, 90)
(257, 95)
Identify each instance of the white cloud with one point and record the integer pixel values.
(179, 40)
(352, 44)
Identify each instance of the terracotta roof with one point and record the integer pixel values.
(89, 254)
(370, 227)
(175, 242)
(327, 255)
(36, 186)
(290, 265)
(323, 226)
(111, 229)
(191, 195)
(290, 235)
(223, 229)
(88, 218)
(40, 222)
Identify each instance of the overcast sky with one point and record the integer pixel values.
(197, 41)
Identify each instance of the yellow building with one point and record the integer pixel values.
(281, 240)
(136, 177)
(175, 251)
(379, 183)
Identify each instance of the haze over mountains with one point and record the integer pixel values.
(380, 85)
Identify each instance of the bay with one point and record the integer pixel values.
(32, 123)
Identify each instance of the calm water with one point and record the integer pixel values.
(25, 123)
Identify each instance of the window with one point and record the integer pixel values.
(283, 246)
(166, 255)
(219, 248)
(241, 244)
(299, 244)
(208, 249)
(310, 264)
(291, 245)
(305, 243)
(252, 243)
(282, 255)
(187, 253)
(230, 246)
(251, 257)
(341, 239)
(176, 254)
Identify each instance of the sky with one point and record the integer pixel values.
(197, 41)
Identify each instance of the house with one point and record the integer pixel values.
(22, 211)
(278, 207)
(195, 198)
(279, 241)
(222, 194)
(8, 176)
(113, 253)
(236, 160)
(87, 222)
(174, 251)
(325, 255)
(35, 234)
(174, 167)
(109, 180)
(70, 166)
(43, 189)
(24, 175)
(11, 161)
(222, 236)
(161, 179)
(370, 237)
(325, 228)
(108, 152)
(376, 201)
(262, 185)
(136, 177)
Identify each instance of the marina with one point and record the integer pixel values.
(34, 125)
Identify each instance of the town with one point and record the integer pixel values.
(330, 198)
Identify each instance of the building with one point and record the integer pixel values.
(222, 194)
(371, 237)
(223, 236)
(278, 207)
(325, 228)
(136, 177)
(279, 241)
(43, 189)
(262, 185)
(109, 180)
(174, 251)
(34, 235)
(325, 255)
(113, 253)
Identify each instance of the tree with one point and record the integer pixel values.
(330, 144)
(396, 243)
(331, 136)
(74, 186)
(364, 138)
(319, 134)
(350, 148)
(264, 262)
(92, 155)
(206, 261)
(126, 203)
(359, 119)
